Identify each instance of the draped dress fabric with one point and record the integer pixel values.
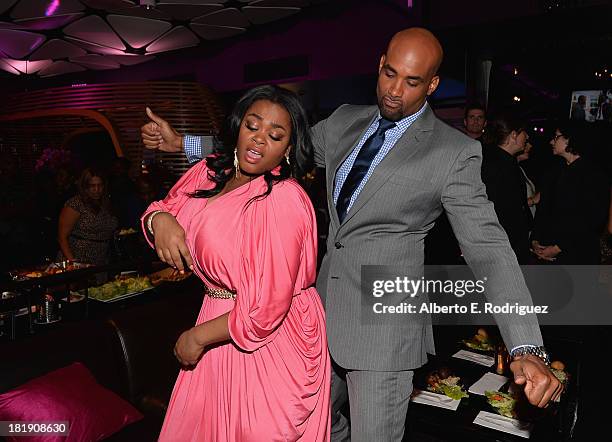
(272, 381)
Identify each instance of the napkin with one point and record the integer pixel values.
(434, 399)
(503, 423)
(485, 360)
(488, 382)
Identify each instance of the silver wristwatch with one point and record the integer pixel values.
(538, 351)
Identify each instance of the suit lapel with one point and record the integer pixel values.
(345, 146)
(415, 137)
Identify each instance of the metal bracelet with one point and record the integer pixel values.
(150, 221)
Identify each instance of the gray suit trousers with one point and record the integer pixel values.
(378, 403)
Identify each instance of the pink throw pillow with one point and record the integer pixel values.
(69, 394)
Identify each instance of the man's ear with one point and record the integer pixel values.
(433, 85)
(383, 58)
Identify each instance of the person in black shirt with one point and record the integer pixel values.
(505, 183)
(574, 203)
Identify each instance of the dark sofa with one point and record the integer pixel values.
(129, 352)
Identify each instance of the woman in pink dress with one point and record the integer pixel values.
(256, 364)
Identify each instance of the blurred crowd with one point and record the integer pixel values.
(550, 189)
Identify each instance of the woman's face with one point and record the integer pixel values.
(558, 143)
(263, 140)
(95, 188)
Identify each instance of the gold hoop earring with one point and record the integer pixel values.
(236, 164)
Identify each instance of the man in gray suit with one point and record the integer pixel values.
(391, 169)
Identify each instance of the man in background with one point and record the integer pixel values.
(475, 120)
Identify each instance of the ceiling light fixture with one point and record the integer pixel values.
(53, 5)
(148, 4)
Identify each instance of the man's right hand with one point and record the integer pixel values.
(157, 134)
(170, 242)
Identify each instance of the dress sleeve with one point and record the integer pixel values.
(278, 261)
(75, 203)
(194, 179)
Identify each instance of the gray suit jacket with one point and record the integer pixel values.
(432, 167)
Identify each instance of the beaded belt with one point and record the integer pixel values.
(220, 293)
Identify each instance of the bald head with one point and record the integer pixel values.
(408, 72)
(418, 42)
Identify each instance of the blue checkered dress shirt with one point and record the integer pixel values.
(193, 148)
(391, 137)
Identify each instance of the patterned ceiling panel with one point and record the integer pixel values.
(225, 17)
(57, 48)
(45, 8)
(107, 34)
(60, 67)
(97, 62)
(209, 32)
(47, 23)
(29, 67)
(5, 66)
(5, 25)
(177, 38)
(184, 11)
(5, 5)
(95, 48)
(137, 31)
(94, 29)
(126, 7)
(18, 44)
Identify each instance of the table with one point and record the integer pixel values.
(431, 423)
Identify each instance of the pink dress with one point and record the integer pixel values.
(272, 381)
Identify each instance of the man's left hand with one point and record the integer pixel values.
(541, 386)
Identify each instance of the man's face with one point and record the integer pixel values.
(475, 121)
(405, 78)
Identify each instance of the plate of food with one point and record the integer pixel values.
(480, 341)
(52, 269)
(442, 381)
(558, 369)
(75, 296)
(168, 275)
(502, 403)
(130, 231)
(122, 287)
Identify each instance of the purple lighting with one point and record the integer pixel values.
(52, 8)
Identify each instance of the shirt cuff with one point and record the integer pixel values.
(193, 148)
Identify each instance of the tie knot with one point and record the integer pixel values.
(384, 125)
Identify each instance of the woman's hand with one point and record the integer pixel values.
(547, 253)
(187, 349)
(170, 242)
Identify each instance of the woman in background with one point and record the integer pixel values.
(573, 205)
(86, 225)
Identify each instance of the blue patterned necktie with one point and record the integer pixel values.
(361, 165)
